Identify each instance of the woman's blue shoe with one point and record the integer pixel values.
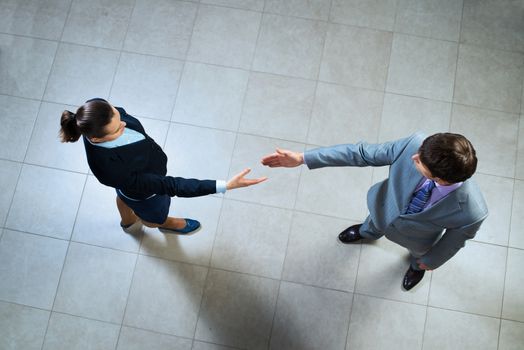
(191, 227)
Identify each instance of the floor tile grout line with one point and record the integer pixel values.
(22, 168)
(221, 211)
(63, 265)
(503, 295)
(137, 257)
(385, 91)
(12, 199)
(328, 21)
(109, 93)
(456, 68)
(341, 85)
(353, 296)
(466, 312)
(182, 72)
(35, 122)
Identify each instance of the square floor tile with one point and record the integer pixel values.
(511, 335)
(96, 75)
(138, 339)
(98, 220)
(165, 296)
(237, 310)
(313, 243)
(405, 115)
(211, 96)
(45, 147)
(146, 85)
(516, 235)
(224, 36)
(457, 328)
(493, 135)
(495, 23)
(461, 284)
(434, 19)
(310, 318)
(379, 14)
(194, 249)
(95, 283)
(30, 268)
(277, 106)
(422, 67)
(98, 23)
(290, 46)
(356, 56)
(34, 18)
(513, 307)
(497, 192)
(23, 58)
(339, 192)
(200, 153)
(9, 172)
(381, 269)
(22, 327)
(67, 332)
(255, 5)
(345, 115)
(397, 323)
(18, 118)
(260, 235)
(281, 187)
(51, 212)
(313, 9)
(161, 27)
(489, 78)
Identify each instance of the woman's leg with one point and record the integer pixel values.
(127, 214)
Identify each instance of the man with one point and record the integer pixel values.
(428, 204)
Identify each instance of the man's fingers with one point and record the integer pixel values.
(269, 158)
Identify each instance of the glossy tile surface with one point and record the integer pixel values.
(219, 84)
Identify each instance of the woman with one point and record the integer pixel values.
(121, 155)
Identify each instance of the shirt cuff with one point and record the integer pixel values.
(305, 157)
(221, 186)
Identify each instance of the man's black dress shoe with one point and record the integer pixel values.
(412, 278)
(351, 234)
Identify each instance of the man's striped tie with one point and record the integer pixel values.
(420, 198)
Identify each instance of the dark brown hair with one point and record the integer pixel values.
(450, 157)
(89, 120)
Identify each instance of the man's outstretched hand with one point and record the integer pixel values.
(239, 181)
(283, 158)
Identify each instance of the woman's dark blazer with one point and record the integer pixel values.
(139, 169)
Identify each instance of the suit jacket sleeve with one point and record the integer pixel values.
(172, 186)
(360, 154)
(449, 244)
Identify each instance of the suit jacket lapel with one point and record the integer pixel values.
(413, 179)
(447, 205)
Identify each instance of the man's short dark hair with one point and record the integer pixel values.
(450, 157)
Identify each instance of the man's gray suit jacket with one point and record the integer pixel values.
(434, 234)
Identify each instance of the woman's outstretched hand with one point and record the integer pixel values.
(239, 181)
(283, 158)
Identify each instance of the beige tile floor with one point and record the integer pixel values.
(219, 83)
